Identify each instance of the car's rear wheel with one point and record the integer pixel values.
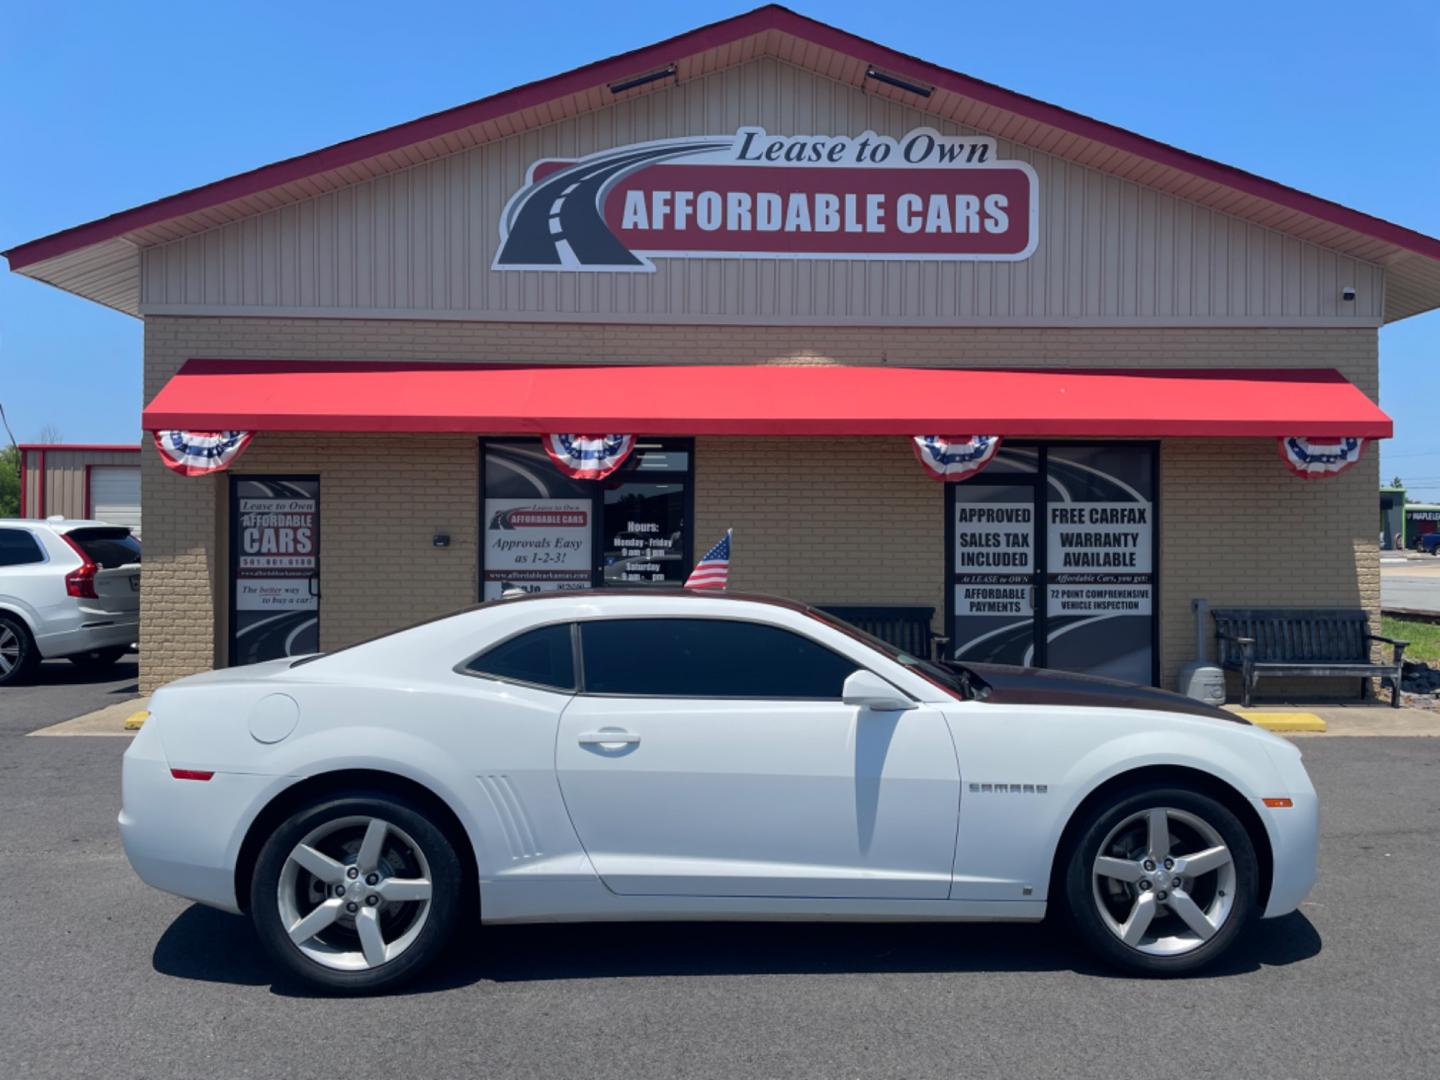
(18, 655)
(356, 893)
(1162, 880)
(97, 659)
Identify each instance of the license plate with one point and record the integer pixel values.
(134, 582)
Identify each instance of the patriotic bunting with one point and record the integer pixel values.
(588, 457)
(955, 457)
(713, 570)
(1313, 458)
(198, 453)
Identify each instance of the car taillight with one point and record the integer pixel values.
(80, 582)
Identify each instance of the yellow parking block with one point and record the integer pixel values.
(1284, 721)
(134, 720)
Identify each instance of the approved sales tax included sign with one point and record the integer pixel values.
(753, 195)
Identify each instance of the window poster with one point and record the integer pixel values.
(994, 563)
(537, 545)
(1100, 573)
(275, 568)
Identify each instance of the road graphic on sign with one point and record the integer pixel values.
(559, 221)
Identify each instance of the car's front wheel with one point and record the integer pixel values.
(356, 893)
(1162, 880)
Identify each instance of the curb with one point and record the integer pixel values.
(1284, 721)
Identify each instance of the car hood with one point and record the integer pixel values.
(1005, 685)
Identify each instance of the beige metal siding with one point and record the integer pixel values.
(64, 479)
(419, 242)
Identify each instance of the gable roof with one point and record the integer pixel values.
(100, 260)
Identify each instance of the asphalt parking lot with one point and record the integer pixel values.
(102, 976)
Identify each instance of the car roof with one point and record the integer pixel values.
(675, 593)
(63, 524)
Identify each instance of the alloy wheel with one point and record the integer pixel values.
(1164, 881)
(355, 893)
(10, 649)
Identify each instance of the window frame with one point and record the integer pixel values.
(585, 691)
(463, 668)
(35, 539)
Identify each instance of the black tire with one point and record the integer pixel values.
(97, 659)
(17, 663)
(1084, 905)
(435, 933)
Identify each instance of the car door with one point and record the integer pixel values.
(714, 757)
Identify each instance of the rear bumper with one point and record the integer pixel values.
(117, 631)
(184, 836)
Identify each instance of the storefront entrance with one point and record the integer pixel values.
(1078, 593)
(543, 530)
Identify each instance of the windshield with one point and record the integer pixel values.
(954, 681)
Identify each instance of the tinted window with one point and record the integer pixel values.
(107, 548)
(18, 547)
(542, 656)
(707, 658)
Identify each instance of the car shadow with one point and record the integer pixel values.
(210, 946)
(64, 673)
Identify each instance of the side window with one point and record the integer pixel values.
(542, 657)
(707, 658)
(18, 547)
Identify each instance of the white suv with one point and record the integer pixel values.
(67, 589)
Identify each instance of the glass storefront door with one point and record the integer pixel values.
(1051, 560)
(544, 531)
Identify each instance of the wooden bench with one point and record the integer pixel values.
(1324, 642)
(903, 625)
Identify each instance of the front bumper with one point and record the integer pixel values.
(184, 836)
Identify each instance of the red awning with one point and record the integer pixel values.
(287, 395)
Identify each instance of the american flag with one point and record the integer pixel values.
(713, 570)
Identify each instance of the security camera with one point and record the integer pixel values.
(1347, 293)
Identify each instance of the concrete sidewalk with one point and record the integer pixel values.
(1344, 720)
(107, 721)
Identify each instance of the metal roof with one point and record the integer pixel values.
(100, 260)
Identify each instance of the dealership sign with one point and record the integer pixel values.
(753, 195)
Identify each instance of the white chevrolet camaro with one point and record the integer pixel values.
(641, 756)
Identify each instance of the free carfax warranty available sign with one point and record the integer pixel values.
(752, 195)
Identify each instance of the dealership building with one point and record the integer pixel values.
(923, 344)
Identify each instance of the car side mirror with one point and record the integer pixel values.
(870, 691)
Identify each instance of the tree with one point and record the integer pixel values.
(50, 434)
(1397, 482)
(10, 482)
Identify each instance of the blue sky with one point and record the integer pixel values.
(109, 105)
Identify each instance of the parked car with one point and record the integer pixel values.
(67, 589)
(1429, 544)
(668, 755)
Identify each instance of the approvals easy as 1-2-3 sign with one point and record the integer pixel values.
(753, 195)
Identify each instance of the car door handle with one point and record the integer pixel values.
(611, 737)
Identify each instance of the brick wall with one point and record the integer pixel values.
(861, 523)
